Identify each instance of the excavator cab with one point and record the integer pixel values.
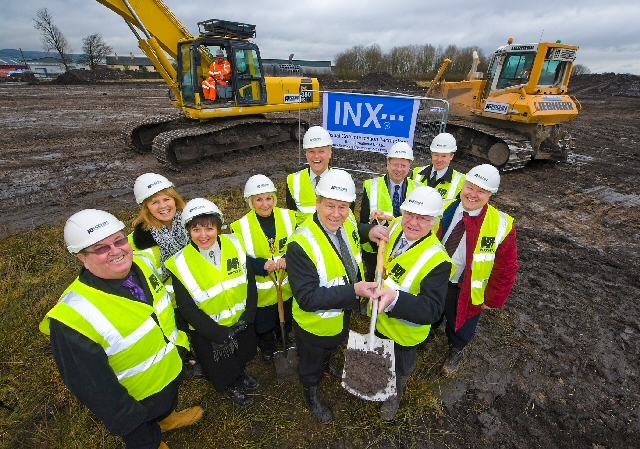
(540, 68)
(247, 83)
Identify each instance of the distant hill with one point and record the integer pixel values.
(31, 54)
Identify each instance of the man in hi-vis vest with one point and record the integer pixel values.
(301, 185)
(481, 241)
(108, 324)
(325, 273)
(417, 271)
(385, 194)
(440, 174)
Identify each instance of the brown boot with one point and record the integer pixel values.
(182, 418)
(163, 445)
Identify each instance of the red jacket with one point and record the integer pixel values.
(503, 274)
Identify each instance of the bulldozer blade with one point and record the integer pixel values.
(286, 364)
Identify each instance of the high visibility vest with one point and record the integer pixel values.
(380, 199)
(257, 245)
(495, 227)
(331, 272)
(142, 354)
(447, 190)
(303, 193)
(220, 293)
(405, 273)
(153, 254)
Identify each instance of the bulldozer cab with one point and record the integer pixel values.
(246, 85)
(536, 67)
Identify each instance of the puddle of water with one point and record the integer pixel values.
(578, 159)
(609, 195)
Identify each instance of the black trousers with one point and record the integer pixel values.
(313, 359)
(223, 372)
(463, 336)
(160, 405)
(267, 324)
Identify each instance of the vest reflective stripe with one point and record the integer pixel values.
(456, 185)
(496, 225)
(153, 253)
(147, 364)
(257, 246)
(221, 294)
(142, 354)
(331, 272)
(419, 260)
(303, 204)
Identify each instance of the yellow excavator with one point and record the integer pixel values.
(514, 115)
(236, 120)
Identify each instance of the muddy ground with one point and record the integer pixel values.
(557, 367)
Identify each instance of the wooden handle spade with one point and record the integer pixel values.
(382, 246)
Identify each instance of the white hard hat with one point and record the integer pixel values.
(424, 200)
(315, 137)
(258, 184)
(219, 52)
(148, 185)
(197, 207)
(443, 143)
(89, 226)
(485, 176)
(400, 150)
(337, 185)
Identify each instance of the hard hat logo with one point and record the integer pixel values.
(154, 184)
(98, 226)
(263, 185)
(481, 177)
(193, 209)
(341, 189)
(417, 203)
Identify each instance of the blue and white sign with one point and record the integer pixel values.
(369, 122)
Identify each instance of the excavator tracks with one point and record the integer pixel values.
(139, 134)
(509, 149)
(179, 147)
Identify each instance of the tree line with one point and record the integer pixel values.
(94, 48)
(415, 61)
(408, 61)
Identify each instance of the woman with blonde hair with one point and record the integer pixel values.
(264, 231)
(159, 233)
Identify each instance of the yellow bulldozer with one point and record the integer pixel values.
(513, 115)
(242, 108)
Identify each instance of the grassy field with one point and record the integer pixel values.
(36, 268)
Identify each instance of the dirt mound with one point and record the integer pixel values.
(615, 85)
(88, 76)
(370, 83)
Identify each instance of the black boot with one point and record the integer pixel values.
(319, 410)
(390, 407)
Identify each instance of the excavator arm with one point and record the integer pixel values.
(158, 32)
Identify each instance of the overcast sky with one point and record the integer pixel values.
(606, 31)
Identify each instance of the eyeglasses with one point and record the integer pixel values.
(425, 219)
(104, 249)
(399, 166)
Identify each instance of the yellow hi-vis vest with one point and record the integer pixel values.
(405, 273)
(257, 245)
(447, 190)
(303, 193)
(331, 272)
(153, 254)
(495, 227)
(220, 293)
(380, 199)
(142, 354)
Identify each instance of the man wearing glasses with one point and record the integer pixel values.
(417, 271)
(114, 337)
